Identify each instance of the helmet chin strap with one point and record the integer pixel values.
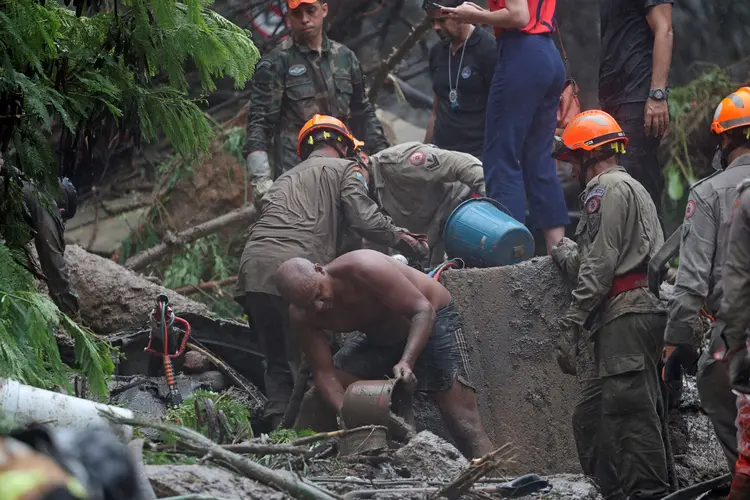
(587, 164)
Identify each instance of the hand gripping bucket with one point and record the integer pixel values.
(483, 235)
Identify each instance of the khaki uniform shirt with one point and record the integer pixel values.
(419, 185)
(735, 305)
(285, 96)
(618, 233)
(304, 214)
(705, 235)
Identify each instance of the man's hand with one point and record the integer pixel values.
(260, 189)
(560, 252)
(739, 370)
(567, 346)
(656, 117)
(413, 245)
(403, 372)
(677, 359)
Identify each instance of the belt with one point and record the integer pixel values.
(627, 282)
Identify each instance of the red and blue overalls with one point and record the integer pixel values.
(521, 120)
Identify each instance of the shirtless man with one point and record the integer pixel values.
(406, 322)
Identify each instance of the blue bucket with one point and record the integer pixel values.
(483, 235)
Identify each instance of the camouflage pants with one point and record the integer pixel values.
(50, 245)
(716, 396)
(617, 420)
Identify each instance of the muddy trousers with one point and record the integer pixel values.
(50, 247)
(617, 420)
(741, 481)
(717, 399)
(268, 316)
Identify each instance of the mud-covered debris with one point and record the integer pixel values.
(196, 362)
(569, 487)
(175, 480)
(430, 457)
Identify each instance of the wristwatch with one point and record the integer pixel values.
(658, 94)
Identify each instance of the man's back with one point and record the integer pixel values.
(301, 217)
(370, 295)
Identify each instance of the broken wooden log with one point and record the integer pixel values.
(243, 215)
(206, 286)
(479, 467)
(402, 49)
(281, 480)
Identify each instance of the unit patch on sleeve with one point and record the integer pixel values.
(417, 158)
(361, 178)
(593, 204)
(690, 209)
(597, 191)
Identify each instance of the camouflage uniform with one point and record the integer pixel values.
(419, 185)
(48, 228)
(304, 214)
(285, 96)
(705, 234)
(616, 422)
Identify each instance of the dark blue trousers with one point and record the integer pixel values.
(520, 128)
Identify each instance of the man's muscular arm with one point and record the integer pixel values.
(318, 355)
(399, 296)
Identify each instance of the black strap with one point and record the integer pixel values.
(326, 106)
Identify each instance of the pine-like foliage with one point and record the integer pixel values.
(84, 69)
(28, 350)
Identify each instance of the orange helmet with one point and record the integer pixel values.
(324, 124)
(588, 131)
(732, 112)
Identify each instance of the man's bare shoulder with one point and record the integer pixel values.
(360, 263)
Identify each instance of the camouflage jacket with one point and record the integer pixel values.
(284, 98)
(618, 233)
(735, 310)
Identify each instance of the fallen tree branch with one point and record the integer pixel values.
(477, 469)
(321, 436)
(230, 372)
(248, 448)
(244, 215)
(281, 480)
(205, 286)
(402, 49)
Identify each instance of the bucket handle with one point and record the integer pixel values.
(491, 200)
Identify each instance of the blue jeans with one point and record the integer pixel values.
(520, 127)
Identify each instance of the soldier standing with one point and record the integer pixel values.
(305, 214)
(698, 285)
(307, 74)
(735, 313)
(418, 186)
(616, 422)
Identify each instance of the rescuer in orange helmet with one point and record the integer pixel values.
(703, 281)
(306, 213)
(616, 422)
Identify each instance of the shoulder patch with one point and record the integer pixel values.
(264, 63)
(744, 184)
(361, 178)
(297, 70)
(598, 192)
(593, 204)
(417, 158)
(689, 209)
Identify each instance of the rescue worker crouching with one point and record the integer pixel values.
(418, 185)
(699, 284)
(616, 421)
(306, 213)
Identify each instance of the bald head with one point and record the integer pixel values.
(299, 281)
